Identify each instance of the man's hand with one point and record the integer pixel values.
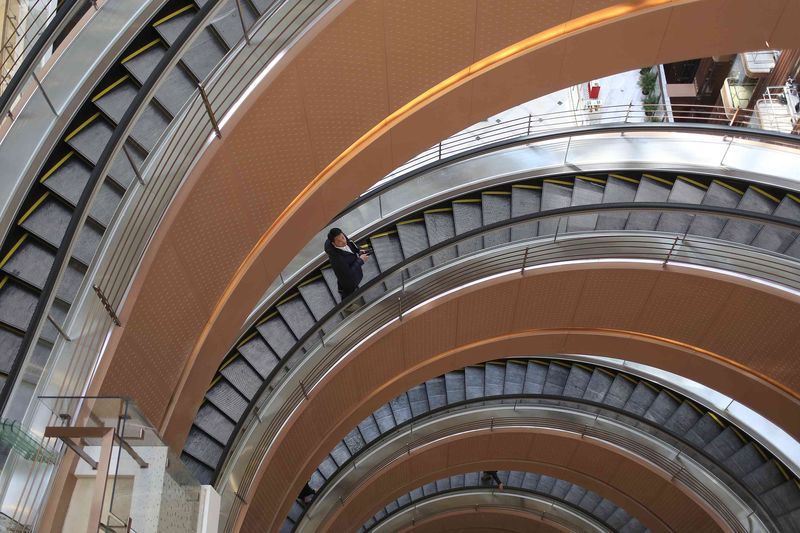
(364, 257)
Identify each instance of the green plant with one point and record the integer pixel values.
(644, 70)
(651, 104)
(647, 81)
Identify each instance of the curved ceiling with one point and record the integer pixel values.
(484, 520)
(370, 86)
(681, 320)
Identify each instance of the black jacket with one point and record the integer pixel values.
(346, 266)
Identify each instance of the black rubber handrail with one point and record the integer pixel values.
(66, 12)
(95, 179)
(507, 490)
(581, 131)
(656, 429)
(561, 212)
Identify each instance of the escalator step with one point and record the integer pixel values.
(330, 281)
(203, 448)
(259, 355)
(457, 481)
(121, 171)
(764, 478)
(296, 315)
(228, 24)
(618, 518)
(471, 479)
(585, 192)
(546, 484)
(779, 239)
(530, 481)
(401, 409)
(556, 379)
(598, 386)
(790, 521)
(442, 485)
(724, 445)
(719, 194)
(262, 5)
(744, 232)
(340, 453)
(243, 377)
(206, 51)
(651, 189)
(416, 494)
(202, 473)
(418, 399)
(384, 418)
(388, 251)
(473, 378)
(91, 136)
(172, 24)
(589, 501)
(175, 89)
(534, 378)
(87, 243)
(10, 341)
(318, 298)
(152, 123)
(619, 392)
(662, 408)
(744, 461)
(31, 263)
(369, 429)
(495, 375)
(496, 207)
(227, 399)
(295, 512)
(525, 199)
(514, 378)
(437, 395)
(641, 399)
(682, 420)
(143, 61)
(317, 481)
(48, 220)
(560, 489)
(327, 467)
(17, 304)
(575, 494)
(515, 478)
(455, 386)
(619, 189)
(370, 270)
(704, 431)
(633, 526)
(413, 240)
(212, 421)
(604, 509)
(782, 499)
(354, 441)
(467, 216)
(554, 196)
(577, 381)
(684, 191)
(440, 227)
(278, 335)
(115, 99)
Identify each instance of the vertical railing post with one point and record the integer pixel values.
(135, 168)
(440, 151)
(44, 93)
(530, 117)
(724, 154)
(210, 111)
(566, 152)
(241, 19)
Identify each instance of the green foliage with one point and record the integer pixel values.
(647, 81)
(651, 105)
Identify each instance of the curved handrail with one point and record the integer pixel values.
(538, 418)
(654, 429)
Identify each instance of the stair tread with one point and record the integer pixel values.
(467, 217)
(170, 29)
(524, 201)
(91, 140)
(585, 192)
(205, 53)
(649, 190)
(259, 355)
(742, 231)
(554, 196)
(228, 24)
(278, 335)
(682, 192)
(496, 208)
(440, 227)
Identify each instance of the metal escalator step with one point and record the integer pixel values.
(650, 190)
(503, 475)
(472, 479)
(370, 270)
(577, 381)
(278, 335)
(202, 473)
(413, 240)
(575, 494)
(683, 419)
(369, 429)
(618, 518)
(340, 453)
(142, 62)
(416, 494)
(243, 377)
(262, 5)
(401, 409)
(17, 304)
(790, 521)
(598, 385)
(384, 418)
(202, 447)
(554, 196)
(556, 379)
(779, 239)
(68, 177)
(317, 481)
(546, 484)
(560, 489)
(440, 227)
(10, 341)
(783, 498)
(105, 203)
(227, 399)
(530, 481)
(152, 123)
(455, 386)
(317, 297)
(617, 191)
(206, 51)
(354, 441)
(295, 512)
(744, 461)
(740, 230)
(228, 24)
(496, 207)
(121, 170)
(437, 396)
(619, 392)
(296, 315)
(90, 137)
(442, 485)
(86, 245)
(418, 399)
(684, 191)
(585, 192)
(212, 421)
(404, 499)
(115, 99)
(49, 334)
(467, 216)
(259, 355)
(175, 89)
(171, 25)
(473, 378)
(457, 481)
(724, 445)
(704, 431)
(633, 526)
(525, 199)
(494, 375)
(327, 467)
(330, 280)
(604, 509)
(534, 378)
(515, 478)
(31, 263)
(662, 408)
(719, 194)
(388, 251)
(641, 399)
(589, 501)
(764, 478)
(514, 378)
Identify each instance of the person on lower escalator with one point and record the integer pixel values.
(347, 261)
(489, 476)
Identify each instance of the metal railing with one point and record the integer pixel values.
(419, 279)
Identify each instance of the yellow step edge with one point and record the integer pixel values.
(540, 362)
(523, 186)
(559, 182)
(782, 470)
(793, 197)
(605, 371)
(585, 367)
(765, 194)
(593, 179)
(364, 246)
(467, 201)
(695, 407)
(140, 50)
(729, 187)
(562, 363)
(271, 315)
(761, 452)
(739, 434)
(110, 87)
(3, 281)
(288, 299)
(56, 166)
(693, 182)
(246, 340)
(33, 207)
(79, 128)
(649, 386)
(716, 419)
(497, 193)
(13, 249)
(656, 178)
(626, 376)
(672, 395)
(213, 382)
(229, 361)
(412, 221)
(174, 14)
(624, 178)
(439, 210)
(384, 234)
(310, 280)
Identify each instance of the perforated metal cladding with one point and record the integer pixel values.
(520, 19)
(484, 519)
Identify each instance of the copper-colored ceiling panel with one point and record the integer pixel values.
(786, 27)
(601, 464)
(564, 288)
(584, 7)
(439, 326)
(419, 50)
(485, 520)
(628, 297)
(552, 448)
(479, 326)
(346, 63)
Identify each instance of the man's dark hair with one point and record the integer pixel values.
(333, 233)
